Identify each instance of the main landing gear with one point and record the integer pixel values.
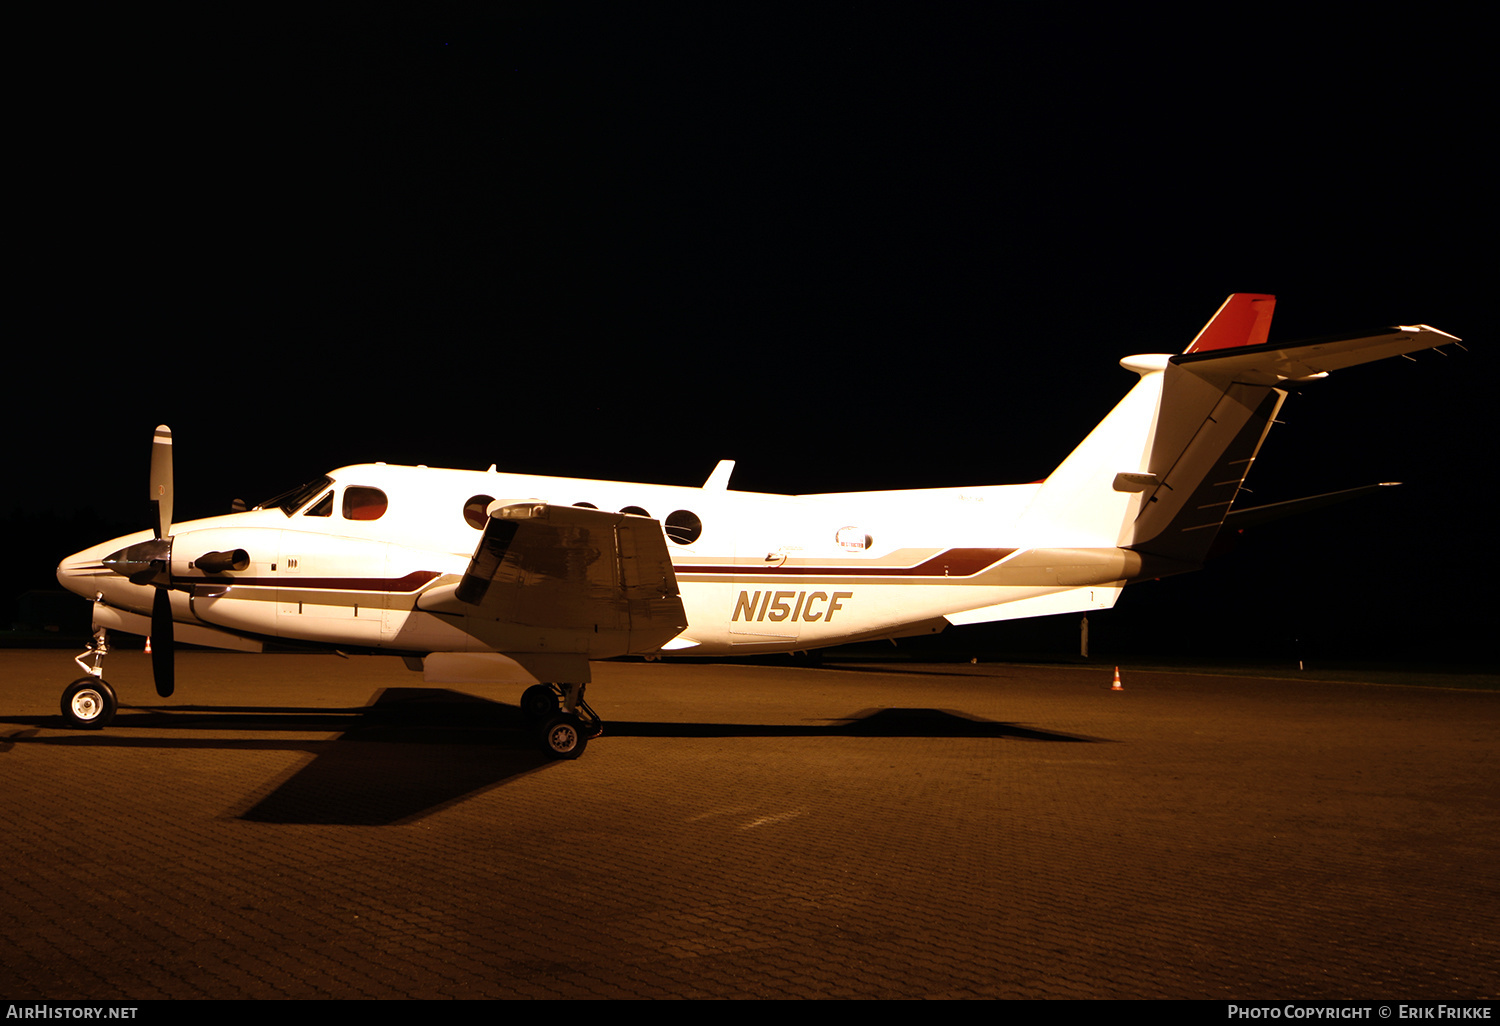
(89, 702)
(565, 721)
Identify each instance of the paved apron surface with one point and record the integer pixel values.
(297, 826)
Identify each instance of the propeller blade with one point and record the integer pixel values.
(161, 643)
(161, 481)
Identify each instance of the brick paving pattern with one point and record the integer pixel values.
(307, 827)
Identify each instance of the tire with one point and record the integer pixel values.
(563, 737)
(89, 703)
(540, 703)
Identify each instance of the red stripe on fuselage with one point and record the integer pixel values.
(952, 563)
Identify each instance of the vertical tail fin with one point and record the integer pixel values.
(1161, 472)
(1205, 444)
(1079, 505)
(1207, 438)
(1095, 495)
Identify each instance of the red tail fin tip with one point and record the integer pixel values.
(1243, 320)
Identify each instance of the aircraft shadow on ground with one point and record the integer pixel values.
(414, 751)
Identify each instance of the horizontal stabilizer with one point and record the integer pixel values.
(1309, 359)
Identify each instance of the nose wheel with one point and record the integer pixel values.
(89, 703)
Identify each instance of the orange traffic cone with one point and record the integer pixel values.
(1116, 685)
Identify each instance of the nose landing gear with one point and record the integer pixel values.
(89, 703)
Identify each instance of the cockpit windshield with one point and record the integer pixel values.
(291, 501)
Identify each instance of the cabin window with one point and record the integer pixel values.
(476, 511)
(362, 503)
(322, 508)
(683, 526)
(585, 505)
(636, 510)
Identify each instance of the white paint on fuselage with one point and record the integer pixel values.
(801, 562)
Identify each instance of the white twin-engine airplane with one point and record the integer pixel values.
(484, 576)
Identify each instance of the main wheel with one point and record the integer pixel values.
(539, 702)
(563, 737)
(89, 703)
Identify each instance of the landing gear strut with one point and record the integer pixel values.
(567, 723)
(89, 702)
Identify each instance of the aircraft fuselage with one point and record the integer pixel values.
(756, 572)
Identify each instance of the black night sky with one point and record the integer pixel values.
(878, 246)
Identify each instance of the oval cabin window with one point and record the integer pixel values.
(476, 511)
(683, 526)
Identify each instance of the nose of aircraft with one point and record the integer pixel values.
(85, 573)
(77, 572)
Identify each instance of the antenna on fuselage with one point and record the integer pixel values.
(718, 481)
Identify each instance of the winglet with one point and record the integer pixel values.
(718, 481)
(1243, 320)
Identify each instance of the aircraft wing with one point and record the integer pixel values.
(566, 579)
